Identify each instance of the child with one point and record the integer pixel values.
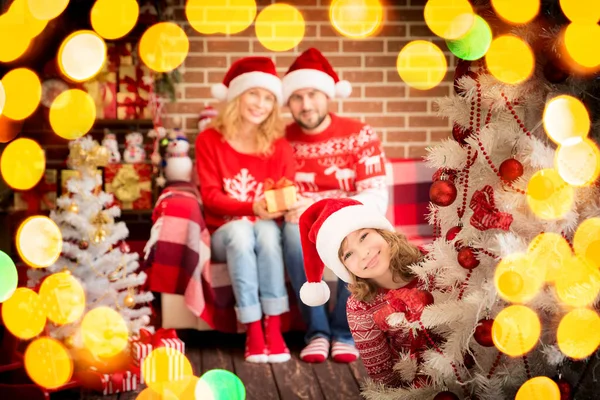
(360, 246)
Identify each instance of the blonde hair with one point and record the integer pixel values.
(402, 254)
(271, 129)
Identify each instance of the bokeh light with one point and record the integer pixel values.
(11, 50)
(516, 11)
(518, 279)
(64, 298)
(539, 388)
(581, 11)
(586, 241)
(566, 119)
(548, 195)
(509, 59)
(46, 9)
(149, 394)
(23, 314)
(23, 93)
(516, 330)
(25, 22)
(48, 363)
(279, 27)
(72, 114)
(104, 332)
(2, 97)
(582, 42)
(356, 19)
(475, 43)
(220, 16)
(9, 128)
(113, 19)
(551, 250)
(219, 384)
(8, 277)
(81, 55)
(421, 64)
(39, 241)
(164, 46)
(449, 19)
(167, 370)
(578, 163)
(578, 334)
(578, 284)
(22, 164)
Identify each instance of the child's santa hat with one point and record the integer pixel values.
(247, 73)
(323, 227)
(312, 70)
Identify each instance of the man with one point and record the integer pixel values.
(335, 157)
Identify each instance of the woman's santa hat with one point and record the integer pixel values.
(323, 228)
(247, 73)
(312, 70)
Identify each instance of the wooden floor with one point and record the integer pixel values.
(287, 381)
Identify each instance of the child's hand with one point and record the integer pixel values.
(409, 301)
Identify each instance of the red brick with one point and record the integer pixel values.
(420, 30)
(438, 136)
(380, 61)
(384, 91)
(344, 61)
(322, 45)
(405, 136)
(215, 77)
(363, 107)
(409, 15)
(327, 30)
(386, 122)
(369, 45)
(406, 106)
(422, 121)
(438, 91)
(394, 151)
(197, 46)
(417, 151)
(195, 92)
(363, 76)
(315, 14)
(284, 60)
(392, 30)
(393, 76)
(180, 107)
(228, 46)
(333, 107)
(193, 76)
(206, 61)
(191, 124)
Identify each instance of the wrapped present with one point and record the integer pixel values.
(104, 92)
(135, 79)
(131, 185)
(113, 383)
(140, 346)
(67, 174)
(280, 195)
(41, 197)
(119, 54)
(132, 106)
(168, 338)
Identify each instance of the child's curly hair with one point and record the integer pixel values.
(402, 254)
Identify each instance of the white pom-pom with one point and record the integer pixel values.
(219, 91)
(314, 293)
(343, 89)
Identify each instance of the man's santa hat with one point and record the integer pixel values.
(312, 70)
(323, 227)
(247, 73)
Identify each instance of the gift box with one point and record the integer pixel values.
(132, 106)
(174, 349)
(280, 195)
(41, 197)
(119, 54)
(67, 174)
(117, 382)
(104, 92)
(135, 86)
(131, 185)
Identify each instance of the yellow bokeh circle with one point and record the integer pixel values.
(518, 279)
(47, 10)
(582, 42)
(23, 93)
(548, 195)
(113, 19)
(356, 19)
(581, 11)
(23, 314)
(279, 27)
(2, 97)
(579, 283)
(24, 22)
(81, 55)
(578, 163)
(22, 164)
(220, 16)
(149, 394)
(167, 370)
(552, 251)
(566, 119)
(449, 19)
(516, 11)
(39, 241)
(164, 47)
(578, 334)
(104, 332)
(509, 59)
(539, 388)
(48, 363)
(516, 330)
(14, 48)
(64, 298)
(421, 64)
(586, 241)
(72, 114)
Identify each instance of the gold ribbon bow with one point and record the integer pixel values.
(126, 185)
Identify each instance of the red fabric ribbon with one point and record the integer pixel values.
(411, 302)
(145, 337)
(485, 213)
(37, 195)
(270, 184)
(163, 334)
(137, 84)
(132, 105)
(117, 51)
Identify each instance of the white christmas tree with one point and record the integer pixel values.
(94, 251)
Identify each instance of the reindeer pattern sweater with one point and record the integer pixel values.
(345, 160)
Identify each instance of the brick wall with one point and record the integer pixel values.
(404, 117)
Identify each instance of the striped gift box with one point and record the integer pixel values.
(152, 372)
(130, 382)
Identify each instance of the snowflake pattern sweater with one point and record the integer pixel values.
(345, 160)
(231, 181)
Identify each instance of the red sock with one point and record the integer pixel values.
(275, 342)
(255, 340)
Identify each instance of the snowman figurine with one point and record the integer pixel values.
(134, 152)
(110, 142)
(178, 164)
(205, 118)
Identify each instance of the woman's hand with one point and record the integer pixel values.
(260, 210)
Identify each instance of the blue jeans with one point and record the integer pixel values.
(320, 322)
(255, 262)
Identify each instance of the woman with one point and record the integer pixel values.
(234, 159)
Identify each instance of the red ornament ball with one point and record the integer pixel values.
(445, 395)
(467, 259)
(124, 247)
(452, 232)
(460, 134)
(442, 193)
(511, 170)
(83, 245)
(444, 174)
(483, 333)
(565, 389)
